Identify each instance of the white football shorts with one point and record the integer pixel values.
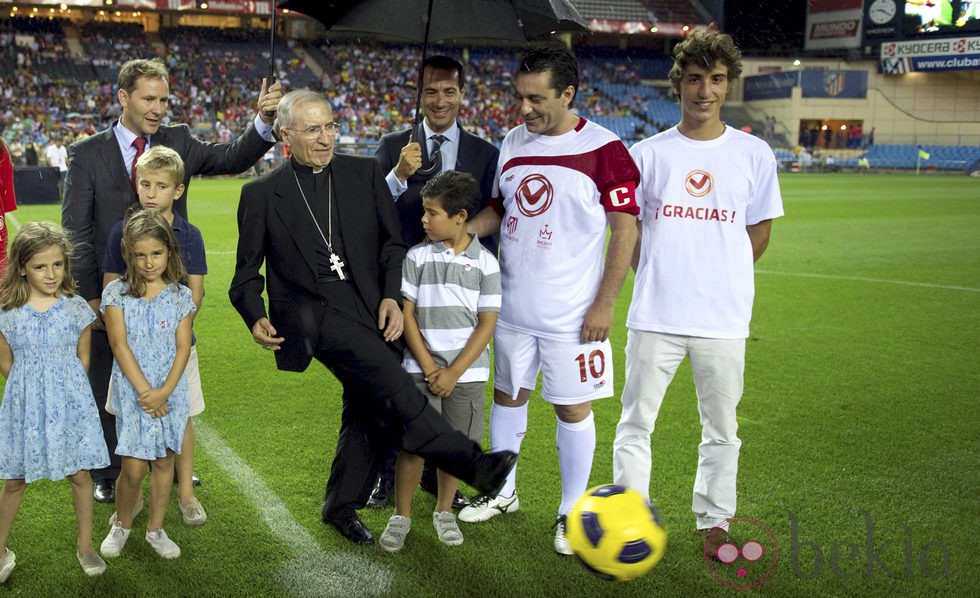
(571, 372)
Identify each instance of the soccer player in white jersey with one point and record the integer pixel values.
(561, 180)
(707, 199)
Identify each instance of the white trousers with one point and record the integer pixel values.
(652, 359)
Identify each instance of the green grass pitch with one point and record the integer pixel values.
(859, 427)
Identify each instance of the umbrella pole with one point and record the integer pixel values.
(272, 45)
(416, 130)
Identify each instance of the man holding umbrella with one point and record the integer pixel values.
(447, 147)
(100, 185)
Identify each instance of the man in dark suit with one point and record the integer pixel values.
(99, 187)
(328, 234)
(402, 157)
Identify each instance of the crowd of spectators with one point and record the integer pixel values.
(52, 93)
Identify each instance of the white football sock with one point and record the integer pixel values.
(576, 448)
(507, 428)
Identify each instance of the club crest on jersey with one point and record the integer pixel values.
(698, 183)
(512, 225)
(534, 195)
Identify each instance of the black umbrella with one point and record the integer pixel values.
(429, 20)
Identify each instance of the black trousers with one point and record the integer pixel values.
(380, 403)
(99, 372)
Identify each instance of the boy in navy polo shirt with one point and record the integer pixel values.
(160, 175)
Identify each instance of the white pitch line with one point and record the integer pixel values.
(876, 280)
(9, 217)
(311, 572)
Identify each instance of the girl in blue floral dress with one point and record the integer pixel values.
(49, 424)
(147, 315)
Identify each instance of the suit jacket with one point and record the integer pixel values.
(474, 155)
(275, 227)
(98, 191)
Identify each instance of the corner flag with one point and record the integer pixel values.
(923, 154)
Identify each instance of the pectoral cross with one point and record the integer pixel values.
(337, 266)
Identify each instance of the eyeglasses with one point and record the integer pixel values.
(314, 132)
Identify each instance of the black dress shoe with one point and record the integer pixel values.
(491, 471)
(351, 527)
(460, 500)
(104, 491)
(381, 495)
(430, 484)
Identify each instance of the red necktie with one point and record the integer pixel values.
(140, 144)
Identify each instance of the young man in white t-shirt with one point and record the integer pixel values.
(707, 199)
(561, 180)
(57, 156)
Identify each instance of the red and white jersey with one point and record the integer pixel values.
(695, 276)
(553, 192)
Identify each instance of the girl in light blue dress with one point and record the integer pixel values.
(148, 321)
(49, 424)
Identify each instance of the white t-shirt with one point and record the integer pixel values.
(696, 274)
(555, 192)
(57, 156)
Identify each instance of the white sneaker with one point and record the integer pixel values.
(446, 528)
(393, 538)
(192, 513)
(92, 564)
(164, 546)
(561, 542)
(114, 542)
(7, 564)
(484, 508)
(114, 518)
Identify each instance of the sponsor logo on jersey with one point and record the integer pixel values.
(534, 195)
(698, 183)
(544, 237)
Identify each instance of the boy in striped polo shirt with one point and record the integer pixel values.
(451, 288)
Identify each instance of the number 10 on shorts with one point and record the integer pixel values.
(591, 366)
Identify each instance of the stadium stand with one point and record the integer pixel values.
(63, 75)
(677, 12)
(942, 157)
(616, 10)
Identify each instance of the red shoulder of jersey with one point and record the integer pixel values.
(617, 178)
